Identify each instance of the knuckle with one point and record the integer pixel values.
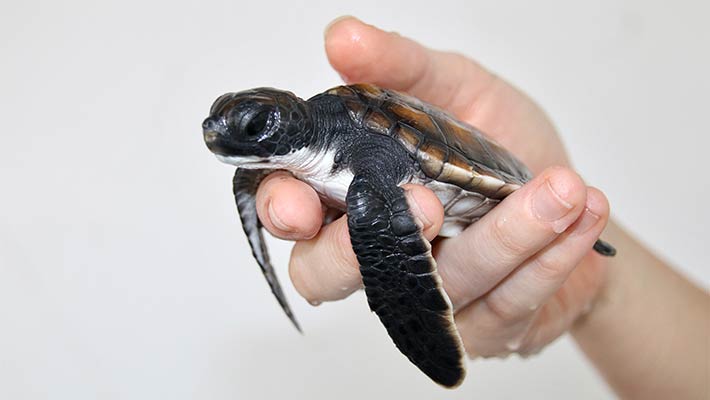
(504, 310)
(508, 244)
(549, 270)
(318, 281)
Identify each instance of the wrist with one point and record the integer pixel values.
(646, 327)
(612, 288)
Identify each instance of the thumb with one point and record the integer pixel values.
(425, 208)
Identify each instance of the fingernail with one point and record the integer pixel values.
(416, 211)
(588, 220)
(548, 206)
(278, 223)
(333, 22)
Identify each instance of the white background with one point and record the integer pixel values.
(124, 273)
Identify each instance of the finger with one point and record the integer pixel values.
(425, 208)
(325, 268)
(288, 208)
(474, 262)
(575, 297)
(497, 322)
(541, 276)
(364, 53)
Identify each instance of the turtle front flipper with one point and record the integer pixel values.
(245, 184)
(400, 277)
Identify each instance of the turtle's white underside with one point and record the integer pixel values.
(461, 207)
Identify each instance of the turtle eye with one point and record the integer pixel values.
(257, 123)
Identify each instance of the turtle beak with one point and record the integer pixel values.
(212, 132)
(210, 137)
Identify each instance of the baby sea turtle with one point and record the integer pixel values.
(356, 145)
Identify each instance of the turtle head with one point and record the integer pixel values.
(256, 126)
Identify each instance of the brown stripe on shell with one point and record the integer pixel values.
(344, 91)
(463, 138)
(490, 159)
(377, 122)
(408, 136)
(356, 109)
(431, 156)
(417, 119)
(368, 90)
(488, 153)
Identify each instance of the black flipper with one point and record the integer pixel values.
(604, 248)
(400, 277)
(245, 184)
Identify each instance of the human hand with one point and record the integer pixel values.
(520, 276)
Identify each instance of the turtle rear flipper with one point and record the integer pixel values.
(245, 184)
(400, 278)
(604, 248)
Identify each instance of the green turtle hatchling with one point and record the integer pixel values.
(356, 145)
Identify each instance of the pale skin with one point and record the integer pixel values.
(524, 274)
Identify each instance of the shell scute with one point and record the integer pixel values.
(413, 117)
(408, 136)
(457, 171)
(370, 90)
(378, 122)
(431, 157)
(356, 109)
